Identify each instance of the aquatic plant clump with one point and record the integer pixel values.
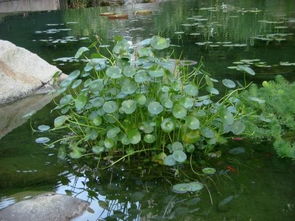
(273, 108)
(137, 102)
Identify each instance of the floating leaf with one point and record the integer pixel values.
(179, 156)
(110, 107)
(42, 140)
(228, 83)
(43, 128)
(237, 150)
(209, 170)
(59, 121)
(246, 69)
(179, 111)
(155, 108)
(160, 43)
(114, 72)
(81, 51)
(168, 125)
(187, 187)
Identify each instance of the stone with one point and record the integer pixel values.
(22, 72)
(45, 207)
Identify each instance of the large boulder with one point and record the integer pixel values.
(45, 207)
(22, 72)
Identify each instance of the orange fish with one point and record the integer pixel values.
(231, 169)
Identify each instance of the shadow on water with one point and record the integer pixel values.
(251, 186)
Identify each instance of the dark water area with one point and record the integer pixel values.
(221, 34)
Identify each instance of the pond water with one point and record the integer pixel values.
(254, 185)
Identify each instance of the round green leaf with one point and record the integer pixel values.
(177, 146)
(160, 43)
(42, 140)
(128, 106)
(128, 86)
(141, 76)
(109, 143)
(191, 90)
(129, 71)
(209, 171)
(179, 111)
(114, 72)
(192, 122)
(141, 99)
(168, 125)
(110, 107)
(228, 83)
(155, 108)
(149, 138)
(238, 127)
(134, 136)
(112, 133)
(43, 128)
(66, 100)
(80, 101)
(179, 156)
(157, 73)
(76, 83)
(59, 121)
(97, 149)
(207, 132)
(169, 161)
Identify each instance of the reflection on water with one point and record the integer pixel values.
(15, 114)
(223, 34)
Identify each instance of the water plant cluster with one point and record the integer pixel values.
(273, 107)
(138, 102)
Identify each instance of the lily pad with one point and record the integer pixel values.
(42, 140)
(169, 161)
(128, 106)
(43, 128)
(209, 171)
(187, 187)
(228, 83)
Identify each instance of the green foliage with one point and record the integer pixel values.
(127, 106)
(273, 108)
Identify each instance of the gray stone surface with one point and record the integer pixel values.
(21, 72)
(45, 207)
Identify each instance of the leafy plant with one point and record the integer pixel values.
(273, 108)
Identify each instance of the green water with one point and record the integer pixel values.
(259, 188)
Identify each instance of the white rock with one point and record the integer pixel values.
(21, 72)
